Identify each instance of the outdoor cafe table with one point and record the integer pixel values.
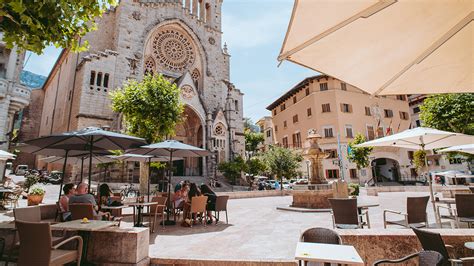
(139, 206)
(84, 230)
(316, 252)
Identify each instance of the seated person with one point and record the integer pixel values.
(211, 201)
(83, 197)
(193, 192)
(179, 196)
(105, 195)
(69, 191)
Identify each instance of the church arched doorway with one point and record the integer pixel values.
(190, 131)
(385, 170)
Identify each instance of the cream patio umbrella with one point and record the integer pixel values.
(468, 148)
(422, 138)
(386, 46)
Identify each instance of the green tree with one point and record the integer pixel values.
(233, 169)
(282, 162)
(252, 140)
(33, 25)
(256, 166)
(419, 159)
(151, 108)
(359, 155)
(450, 112)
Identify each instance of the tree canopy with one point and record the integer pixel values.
(151, 108)
(34, 25)
(252, 140)
(359, 155)
(233, 169)
(450, 112)
(282, 162)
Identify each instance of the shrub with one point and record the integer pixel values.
(355, 189)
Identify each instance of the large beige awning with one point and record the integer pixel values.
(386, 46)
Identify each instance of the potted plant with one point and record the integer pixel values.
(35, 196)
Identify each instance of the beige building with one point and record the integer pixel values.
(13, 95)
(179, 39)
(338, 111)
(266, 128)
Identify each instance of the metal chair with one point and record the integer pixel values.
(433, 241)
(345, 214)
(221, 206)
(425, 258)
(36, 248)
(81, 210)
(415, 216)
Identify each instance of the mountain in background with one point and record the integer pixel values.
(32, 80)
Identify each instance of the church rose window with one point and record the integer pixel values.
(149, 66)
(187, 92)
(173, 50)
(219, 130)
(195, 75)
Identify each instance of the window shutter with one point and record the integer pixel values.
(342, 107)
(350, 108)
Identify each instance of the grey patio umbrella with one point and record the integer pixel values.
(79, 160)
(89, 139)
(170, 148)
(424, 139)
(130, 157)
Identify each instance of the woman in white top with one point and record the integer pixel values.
(69, 190)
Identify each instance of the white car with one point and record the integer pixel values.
(21, 169)
(286, 185)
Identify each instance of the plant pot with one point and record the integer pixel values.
(35, 199)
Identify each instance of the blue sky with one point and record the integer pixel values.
(254, 31)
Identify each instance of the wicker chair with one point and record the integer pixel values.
(28, 214)
(425, 258)
(221, 206)
(81, 210)
(156, 210)
(415, 216)
(464, 212)
(198, 206)
(433, 241)
(345, 214)
(36, 248)
(320, 235)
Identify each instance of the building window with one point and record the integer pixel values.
(401, 97)
(416, 110)
(418, 123)
(308, 112)
(367, 111)
(403, 115)
(411, 155)
(274, 111)
(326, 108)
(282, 107)
(284, 124)
(379, 132)
(332, 173)
(332, 153)
(106, 80)
(92, 81)
(236, 103)
(343, 86)
(346, 108)
(349, 133)
(269, 133)
(99, 79)
(295, 119)
(285, 142)
(328, 132)
(353, 173)
(294, 99)
(307, 91)
(297, 140)
(388, 113)
(276, 128)
(455, 161)
(370, 133)
(323, 86)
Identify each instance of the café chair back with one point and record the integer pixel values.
(425, 258)
(198, 206)
(81, 210)
(36, 247)
(156, 210)
(221, 206)
(321, 235)
(28, 214)
(465, 209)
(345, 214)
(415, 216)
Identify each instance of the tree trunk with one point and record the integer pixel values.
(143, 178)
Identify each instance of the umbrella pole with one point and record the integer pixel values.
(168, 221)
(63, 175)
(90, 165)
(430, 184)
(82, 168)
(149, 178)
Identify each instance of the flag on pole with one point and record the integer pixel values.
(398, 128)
(389, 128)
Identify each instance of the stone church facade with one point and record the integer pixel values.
(179, 39)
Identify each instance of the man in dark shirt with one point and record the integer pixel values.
(83, 197)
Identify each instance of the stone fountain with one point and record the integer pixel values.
(315, 155)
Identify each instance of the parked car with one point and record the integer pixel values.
(286, 185)
(271, 184)
(55, 177)
(21, 169)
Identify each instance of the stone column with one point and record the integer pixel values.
(202, 11)
(187, 5)
(195, 8)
